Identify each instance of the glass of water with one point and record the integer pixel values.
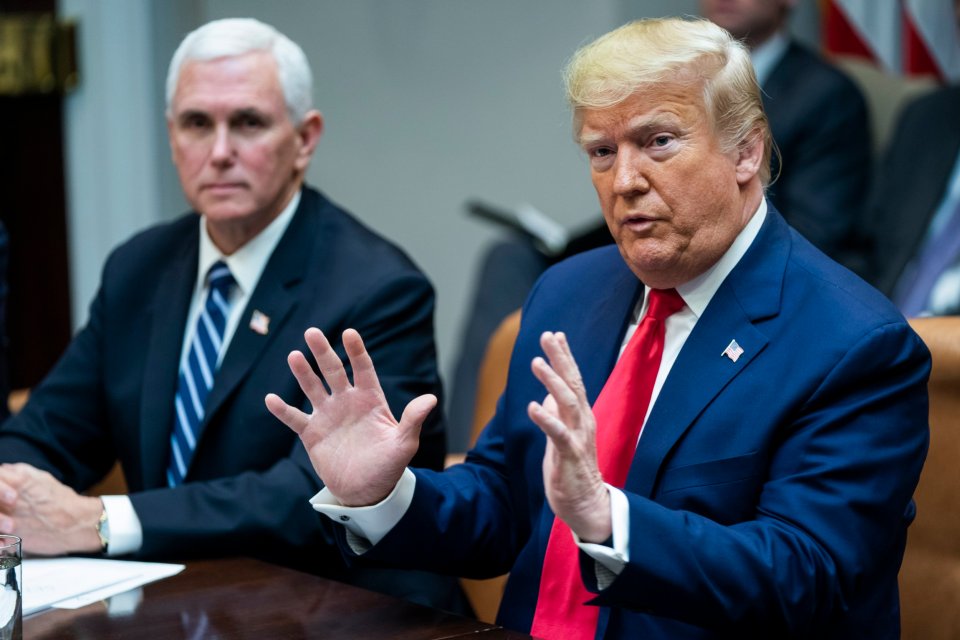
(11, 589)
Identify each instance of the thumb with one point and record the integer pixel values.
(416, 412)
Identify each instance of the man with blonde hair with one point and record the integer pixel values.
(733, 424)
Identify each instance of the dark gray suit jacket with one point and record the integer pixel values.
(910, 184)
(821, 126)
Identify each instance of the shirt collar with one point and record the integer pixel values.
(246, 263)
(766, 56)
(698, 292)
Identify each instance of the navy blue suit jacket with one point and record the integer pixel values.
(769, 497)
(111, 395)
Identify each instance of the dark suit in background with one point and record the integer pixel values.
(910, 184)
(111, 395)
(821, 126)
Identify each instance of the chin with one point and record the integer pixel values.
(226, 211)
(654, 270)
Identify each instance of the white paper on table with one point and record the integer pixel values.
(70, 583)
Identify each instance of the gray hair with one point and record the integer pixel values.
(646, 53)
(237, 36)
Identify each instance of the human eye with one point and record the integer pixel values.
(600, 155)
(193, 121)
(661, 140)
(662, 145)
(249, 121)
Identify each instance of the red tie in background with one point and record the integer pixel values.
(619, 411)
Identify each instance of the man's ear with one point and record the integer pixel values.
(749, 158)
(308, 134)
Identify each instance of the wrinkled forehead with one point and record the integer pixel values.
(682, 102)
(249, 77)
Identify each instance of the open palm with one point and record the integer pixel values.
(357, 447)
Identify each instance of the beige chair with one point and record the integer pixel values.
(485, 595)
(18, 398)
(886, 94)
(930, 575)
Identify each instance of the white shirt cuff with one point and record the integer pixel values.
(369, 524)
(125, 530)
(611, 560)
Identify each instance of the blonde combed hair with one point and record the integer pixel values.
(667, 51)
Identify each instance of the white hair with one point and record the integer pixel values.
(237, 36)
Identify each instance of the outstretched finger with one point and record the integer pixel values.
(290, 416)
(327, 360)
(309, 382)
(566, 398)
(416, 413)
(561, 359)
(364, 375)
(551, 425)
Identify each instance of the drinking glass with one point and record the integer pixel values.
(11, 589)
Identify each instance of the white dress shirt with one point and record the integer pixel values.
(366, 526)
(246, 264)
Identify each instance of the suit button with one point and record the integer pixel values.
(344, 518)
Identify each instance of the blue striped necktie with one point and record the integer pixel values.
(197, 371)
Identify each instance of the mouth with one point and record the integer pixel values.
(638, 223)
(223, 187)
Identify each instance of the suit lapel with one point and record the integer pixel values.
(274, 297)
(751, 292)
(596, 345)
(171, 304)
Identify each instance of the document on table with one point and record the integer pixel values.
(71, 583)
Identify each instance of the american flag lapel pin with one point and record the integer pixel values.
(260, 322)
(733, 351)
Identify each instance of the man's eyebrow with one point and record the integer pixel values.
(642, 126)
(191, 113)
(248, 112)
(587, 139)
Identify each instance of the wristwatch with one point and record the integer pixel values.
(103, 530)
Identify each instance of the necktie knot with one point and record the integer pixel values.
(663, 303)
(219, 278)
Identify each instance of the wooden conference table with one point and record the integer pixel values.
(245, 598)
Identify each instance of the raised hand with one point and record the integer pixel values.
(571, 477)
(356, 446)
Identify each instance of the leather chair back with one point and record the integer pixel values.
(930, 574)
(485, 595)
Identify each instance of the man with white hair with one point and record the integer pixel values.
(708, 430)
(191, 326)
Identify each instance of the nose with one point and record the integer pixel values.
(630, 172)
(222, 153)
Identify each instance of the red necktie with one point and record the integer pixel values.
(619, 411)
